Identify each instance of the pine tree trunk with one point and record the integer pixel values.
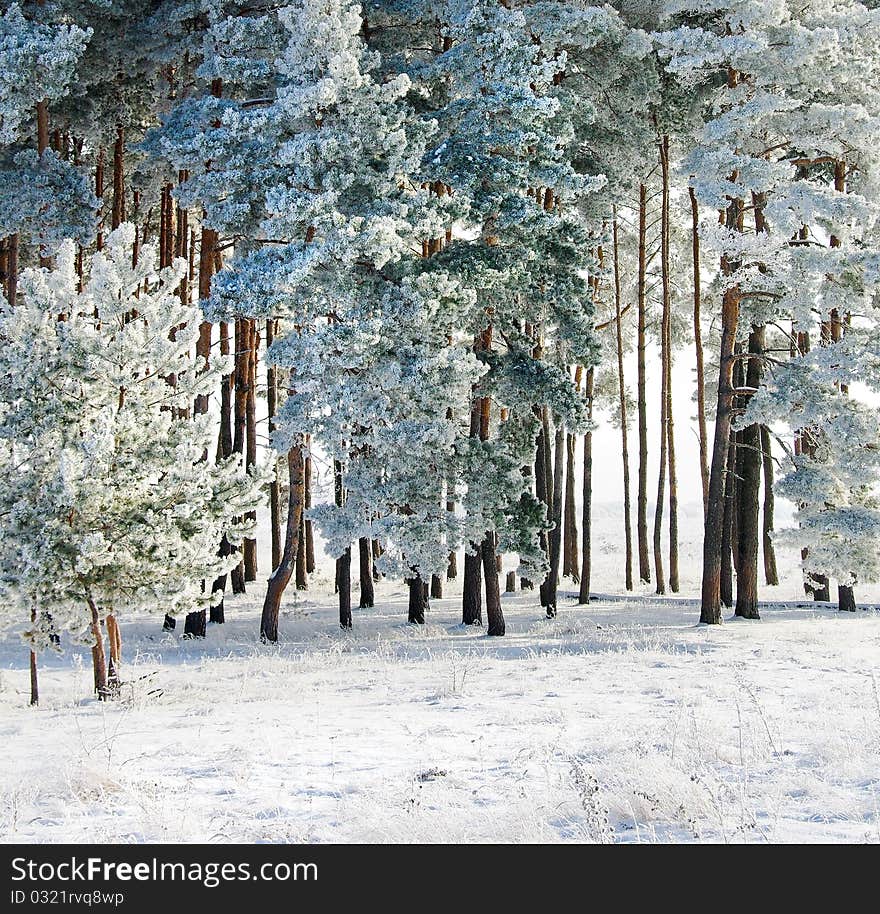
(377, 552)
(343, 577)
(309, 526)
(35, 684)
(275, 485)
(698, 348)
(99, 659)
(250, 543)
(365, 557)
(418, 600)
(494, 616)
(667, 327)
(771, 576)
(710, 602)
(624, 433)
(751, 459)
(664, 440)
(282, 574)
(118, 214)
(846, 600)
(471, 595)
(642, 496)
(586, 517)
(550, 586)
(436, 587)
(570, 553)
(114, 637)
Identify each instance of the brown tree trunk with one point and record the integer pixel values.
(471, 594)
(494, 616)
(642, 496)
(365, 557)
(99, 658)
(99, 193)
(309, 526)
(586, 518)
(667, 328)
(275, 485)
(698, 348)
(771, 576)
(282, 574)
(570, 564)
(748, 490)
(624, 432)
(114, 638)
(710, 608)
(117, 216)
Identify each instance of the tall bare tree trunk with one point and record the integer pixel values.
(624, 432)
(667, 327)
(751, 459)
(35, 684)
(587, 506)
(698, 349)
(282, 574)
(570, 537)
(642, 496)
(771, 576)
(550, 585)
(710, 609)
(309, 525)
(275, 485)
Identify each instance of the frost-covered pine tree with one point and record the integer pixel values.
(786, 127)
(109, 504)
(373, 343)
(43, 198)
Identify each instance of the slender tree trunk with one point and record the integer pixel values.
(343, 576)
(250, 543)
(309, 526)
(366, 572)
(698, 348)
(642, 497)
(771, 576)
(99, 658)
(624, 433)
(436, 587)
(570, 552)
(282, 574)
(586, 518)
(35, 684)
(749, 490)
(550, 586)
(664, 440)
(728, 536)
(118, 213)
(114, 638)
(710, 605)
(667, 329)
(494, 615)
(275, 485)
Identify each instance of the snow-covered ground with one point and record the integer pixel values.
(620, 721)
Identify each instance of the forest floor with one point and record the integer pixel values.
(620, 721)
